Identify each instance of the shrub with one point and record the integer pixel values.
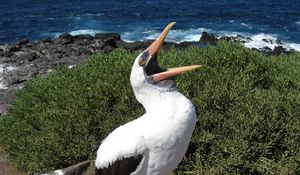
(248, 107)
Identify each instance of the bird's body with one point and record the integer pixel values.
(161, 136)
(154, 143)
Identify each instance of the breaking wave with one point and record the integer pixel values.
(85, 31)
(257, 41)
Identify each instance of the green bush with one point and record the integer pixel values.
(248, 107)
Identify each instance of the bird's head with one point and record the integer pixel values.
(147, 76)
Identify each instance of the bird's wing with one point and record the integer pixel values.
(124, 166)
(121, 152)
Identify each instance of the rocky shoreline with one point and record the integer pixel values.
(26, 59)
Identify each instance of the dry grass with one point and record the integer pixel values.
(6, 167)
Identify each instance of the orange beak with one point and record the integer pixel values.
(154, 48)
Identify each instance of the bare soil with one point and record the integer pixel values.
(6, 167)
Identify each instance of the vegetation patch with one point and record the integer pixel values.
(248, 107)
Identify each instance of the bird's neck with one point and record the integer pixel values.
(164, 101)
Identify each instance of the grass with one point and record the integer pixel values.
(248, 107)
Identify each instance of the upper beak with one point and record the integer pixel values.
(156, 45)
(154, 48)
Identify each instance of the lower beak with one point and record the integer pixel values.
(154, 48)
(172, 72)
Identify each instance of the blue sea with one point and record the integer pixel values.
(140, 20)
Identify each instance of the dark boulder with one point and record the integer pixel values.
(272, 41)
(110, 42)
(3, 47)
(207, 38)
(83, 37)
(65, 39)
(47, 40)
(278, 41)
(83, 40)
(6, 54)
(105, 36)
(241, 39)
(138, 45)
(226, 38)
(13, 48)
(31, 56)
(268, 40)
(266, 49)
(22, 42)
(278, 50)
(106, 49)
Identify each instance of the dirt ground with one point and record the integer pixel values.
(6, 167)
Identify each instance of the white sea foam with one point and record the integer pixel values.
(257, 41)
(173, 36)
(2, 86)
(271, 41)
(93, 14)
(263, 40)
(131, 36)
(53, 34)
(298, 22)
(10, 68)
(182, 35)
(244, 24)
(85, 31)
(3, 70)
(293, 46)
(128, 40)
(228, 33)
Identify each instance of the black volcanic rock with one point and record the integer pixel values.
(138, 45)
(110, 42)
(3, 47)
(83, 37)
(278, 50)
(31, 56)
(65, 39)
(46, 40)
(105, 36)
(13, 48)
(208, 38)
(106, 49)
(266, 49)
(22, 42)
(226, 38)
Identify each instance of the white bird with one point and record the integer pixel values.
(155, 143)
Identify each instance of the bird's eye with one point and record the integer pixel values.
(142, 62)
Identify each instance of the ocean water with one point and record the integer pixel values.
(140, 20)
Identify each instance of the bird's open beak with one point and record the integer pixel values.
(153, 50)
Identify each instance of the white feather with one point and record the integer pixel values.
(162, 134)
